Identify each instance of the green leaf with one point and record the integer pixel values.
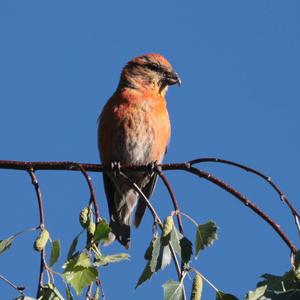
(152, 255)
(155, 254)
(149, 250)
(80, 277)
(5, 244)
(50, 292)
(55, 252)
(147, 274)
(297, 265)
(280, 283)
(159, 255)
(176, 236)
(273, 282)
(255, 295)
(173, 290)
(102, 231)
(222, 296)
(181, 245)
(206, 234)
(156, 259)
(79, 260)
(104, 260)
(286, 295)
(165, 257)
(73, 245)
(186, 250)
(297, 259)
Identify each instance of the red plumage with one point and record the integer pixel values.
(134, 128)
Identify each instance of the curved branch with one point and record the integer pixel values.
(18, 165)
(99, 283)
(266, 178)
(156, 219)
(91, 188)
(35, 183)
(172, 195)
(42, 225)
(245, 201)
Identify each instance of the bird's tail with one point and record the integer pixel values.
(121, 218)
(121, 232)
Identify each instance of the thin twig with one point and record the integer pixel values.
(91, 188)
(88, 294)
(96, 208)
(19, 288)
(172, 195)
(42, 225)
(245, 201)
(156, 218)
(266, 178)
(206, 280)
(177, 211)
(150, 206)
(99, 283)
(35, 183)
(18, 165)
(189, 218)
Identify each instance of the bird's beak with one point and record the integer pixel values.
(172, 78)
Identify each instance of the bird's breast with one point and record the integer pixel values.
(139, 132)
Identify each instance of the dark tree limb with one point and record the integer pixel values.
(245, 201)
(42, 225)
(18, 165)
(91, 188)
(155, 217)
(172, 195)
(266, 178)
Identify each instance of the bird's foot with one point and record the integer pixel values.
(153, 167)
(116, 168)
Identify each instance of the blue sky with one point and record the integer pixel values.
(239, 65)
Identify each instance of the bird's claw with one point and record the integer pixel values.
(116, 168)
(153, 167)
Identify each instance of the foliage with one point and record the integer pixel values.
(168, 244)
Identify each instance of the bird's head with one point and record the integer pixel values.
(150, 71)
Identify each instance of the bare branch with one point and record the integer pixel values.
(175, 166)
(266, 178)
(245, 201)
(91, 188)
(42, 225)
(19, 288)
(156, 219)
(172, 195)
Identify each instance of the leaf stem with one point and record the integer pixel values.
(20, 289)
(156, 219)
(206, 280)
(189, 218)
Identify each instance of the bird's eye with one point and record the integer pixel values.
(154, 67)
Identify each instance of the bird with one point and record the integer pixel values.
(134, 129)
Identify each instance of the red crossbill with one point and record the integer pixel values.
(134, 129)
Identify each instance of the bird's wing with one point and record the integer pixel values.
(141, 207)
(121, 231)
(109, 188)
